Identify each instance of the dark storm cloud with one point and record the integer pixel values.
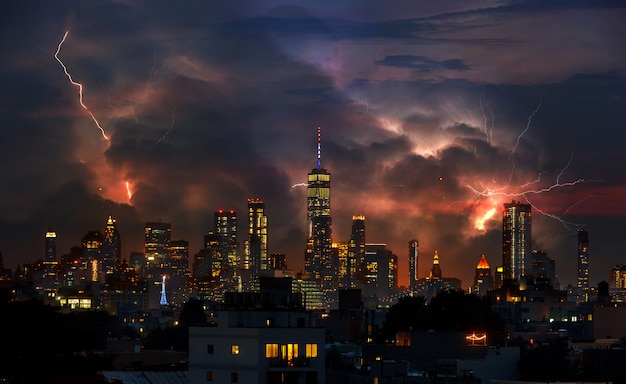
(421, 63)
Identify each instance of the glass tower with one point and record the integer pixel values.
(516, 240)
(318, 258)
(583, 266)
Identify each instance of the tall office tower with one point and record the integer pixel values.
(158, 237)
(51, 245)
(317, 260)
(341, 255)
(91, 265)
(255, 248)
(111, 247)
(583, 266)
(356, 250)
(516, 240)
(483, 281)
(50, 263)
(380, 276)
(435, 272)
(226, 231)
(179, 275)
(413, 259)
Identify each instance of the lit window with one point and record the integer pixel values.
(311, 350)
(234, 349)
(271, 350)
(210, 376)
(589, 317)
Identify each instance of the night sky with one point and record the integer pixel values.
(433, 114)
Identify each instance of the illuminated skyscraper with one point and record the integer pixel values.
(413, 259)
(226, 231)
(179, 272)
(318, 260)
(111, 247)
(516, 240)
(483, 281)
(356, 250)
(583, 266)
(91, 265)
(255, 249)
(50, 262)
(158, 237)
(435, 272)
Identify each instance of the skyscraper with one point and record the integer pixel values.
(158, 237)
(111, 247)
(413, 259)
(583, 266)
(483, 281)
(255, 249)
(226, 231)
(91, 265)
(157, 243)
(318, 261)
(356, 250)
(516, 240)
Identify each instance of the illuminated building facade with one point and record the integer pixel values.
(516, 240)
(318, 254)
(228, 255)
(91, 265)
(483, 281)
(583, 266)
(356, 250)
(413, 265)
(340, 253)
(543, 270)
(380, 276)
(111, 247)
(277, 261)
(429, 286)
(178, 290)
(255, 248)
(50, 262)
(157, 243)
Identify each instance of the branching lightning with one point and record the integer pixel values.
(488, 132)
(78, 85)
(300, 185)
(519, 137)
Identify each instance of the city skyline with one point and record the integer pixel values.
(433, 116)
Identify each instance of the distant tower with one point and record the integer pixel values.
(435, 272)
(516, 240)
(226, 231)
(51, 246)
(255, 250)
(413, 258)
(157, 243)
(179, 271)
(163, 300)
(483, 281)
(318, 256)
(356, 250)
(111, 247)
(50, 262)
(92, 257)
(583, 266)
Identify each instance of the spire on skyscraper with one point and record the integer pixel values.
(319, 147)
(163, 300)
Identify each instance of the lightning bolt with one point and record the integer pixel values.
(154, 63)
(519, 137)
(488, 132)
(78, 85)
(169, 130)
(128, 191)
(300, 185)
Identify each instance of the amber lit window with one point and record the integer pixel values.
(271, 350)
(234, 349)
(210, 376)
(311, 350)
(289, 351)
